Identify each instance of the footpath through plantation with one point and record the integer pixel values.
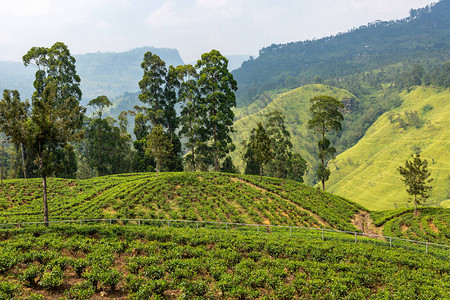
(152, 261)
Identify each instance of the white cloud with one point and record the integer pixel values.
(103, 25)
(165, 16)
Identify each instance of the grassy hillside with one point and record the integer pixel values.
(295, 106)
(367, 173)
(188, 196)
(131, 262)
(422, 37)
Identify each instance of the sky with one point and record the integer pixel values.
(191, 26)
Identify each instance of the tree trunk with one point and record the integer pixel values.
(23, 162)
(157, 167)
(44, 192)
(260, 171)
(193, 143)
(415, 204)
(216, 155)
(323, 184)
(3, 146)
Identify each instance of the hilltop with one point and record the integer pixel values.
(185, 196)
(367, 172)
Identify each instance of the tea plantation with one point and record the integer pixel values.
(113, 261)
(176, 260)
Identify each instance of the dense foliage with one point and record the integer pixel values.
(190, 196)
(151, 262)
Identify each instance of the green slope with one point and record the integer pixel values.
(367, 172)
(180, 196)
(295, 106)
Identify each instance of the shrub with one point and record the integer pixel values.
(78, 266)
(111, 278)
(80, 291)
(8, 290)
(31, 275)
(194, 288)
(53, 279)
(34, 296)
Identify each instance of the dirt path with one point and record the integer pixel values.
(364, 222)
(319, 220)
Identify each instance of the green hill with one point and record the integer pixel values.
(212, 197)
(153, 259)
(422, 37)
(185, 196)
(367, 172)
(295, 106)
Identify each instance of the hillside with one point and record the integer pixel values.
(367, 172)
(212, 197)
(423, 37)
(186, 196)
(295, 106)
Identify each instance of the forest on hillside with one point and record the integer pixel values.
(421, 38)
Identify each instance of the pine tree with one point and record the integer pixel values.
(415, 177)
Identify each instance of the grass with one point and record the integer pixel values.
(367, 172)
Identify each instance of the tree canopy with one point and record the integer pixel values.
(416, 177)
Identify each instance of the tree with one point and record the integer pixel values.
(416, 177)
(228, 166)
(152, 87)
(101, 102)
(280, 140)
(296, 167)
(260, 146)
(158, 146)
(107, 146)
(55, 115)
(47, 127)
(326, 117)
(188, 96)
(217, 88)
(142, 161)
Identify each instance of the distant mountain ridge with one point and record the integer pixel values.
(102, 73)
(114, 73)
(422, 37)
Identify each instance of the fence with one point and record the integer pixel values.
(228, 225)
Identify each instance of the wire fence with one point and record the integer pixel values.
(324, 233)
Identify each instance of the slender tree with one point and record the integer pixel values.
(217, 88)
(152, 88)
(260, 145)
(100, 103)
(188, 96)
(416, 177)
(326, 117)
(50, 125)
(280, 140)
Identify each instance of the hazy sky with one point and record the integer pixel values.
(191, 26)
